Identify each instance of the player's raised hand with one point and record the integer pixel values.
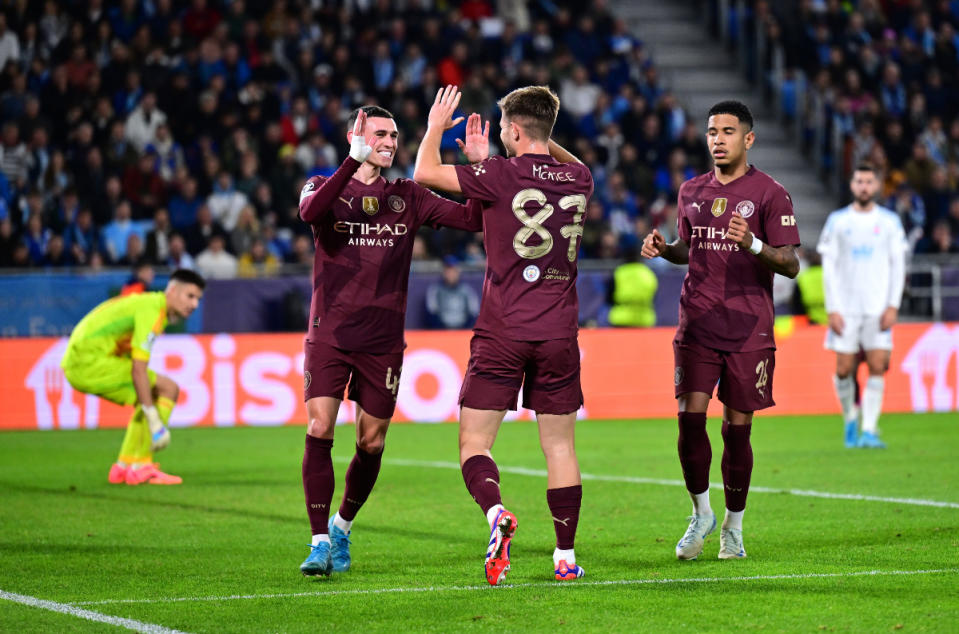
(654, 245)
(445, 104)
(359, 148)
(476, 147)
(738, 231)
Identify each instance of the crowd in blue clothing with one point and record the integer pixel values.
(140, 129)
(883, 88)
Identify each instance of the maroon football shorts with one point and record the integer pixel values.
(373, 379)
(548, 371)
(745, 378)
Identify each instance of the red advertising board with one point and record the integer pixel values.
(251, 379)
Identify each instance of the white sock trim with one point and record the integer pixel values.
(701, 503)
(321, 538)
(341, 523)
(568, 555)
(492, 513)
(734, 519)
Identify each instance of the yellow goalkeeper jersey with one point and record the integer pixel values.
(122, 327)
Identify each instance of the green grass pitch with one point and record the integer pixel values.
(221, 552)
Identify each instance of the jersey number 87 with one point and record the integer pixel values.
(534, 224)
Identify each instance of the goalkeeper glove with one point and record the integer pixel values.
(159, 434)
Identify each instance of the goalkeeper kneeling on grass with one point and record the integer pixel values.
(107, 355)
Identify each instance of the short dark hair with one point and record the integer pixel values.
(736, 108)
(534, 108)
(188, 277)
(866, 167)
(371, 111)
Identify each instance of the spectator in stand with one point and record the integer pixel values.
(179, 258)
(158, 238)
(940, 241)
(14, 159)
(142, 124)
(226, 202)
(36, 238)
(80, 237)
(143, 187)
(134, 252)
(184, 204)
(215, 262)
(450, 303)
(9, 241)
(198, 235)
(141, 279)
(258, 261)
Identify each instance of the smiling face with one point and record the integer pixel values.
(382, 135)
(728, 139)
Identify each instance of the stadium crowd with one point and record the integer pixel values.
(180, 132)
(883, 88)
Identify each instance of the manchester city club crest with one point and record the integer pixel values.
(678, 376)
(531, 273)
(371, 205)
(307, 379)
(396, 204)
(745, 208)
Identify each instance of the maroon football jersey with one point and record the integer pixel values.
(533, 214)
(364, 244)
(727, 297)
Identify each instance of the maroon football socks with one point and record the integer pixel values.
(482, 481)
(360, 478)
(737, 465)
(564, 505)
(318, 482)
(695, 454)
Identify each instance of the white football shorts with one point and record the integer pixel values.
(861, 331)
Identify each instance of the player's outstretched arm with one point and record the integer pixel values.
(317, 198)
(655, 245)
(783, 260)
(430, 170)
(561, 154)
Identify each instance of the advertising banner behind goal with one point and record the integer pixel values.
(250, 379)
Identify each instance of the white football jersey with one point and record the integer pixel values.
(863, 258)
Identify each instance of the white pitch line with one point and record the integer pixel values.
(89, 615)
(548, 584)
(663, 482)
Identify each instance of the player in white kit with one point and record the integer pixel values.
(863, 249)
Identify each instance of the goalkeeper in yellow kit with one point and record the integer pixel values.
(107, 355)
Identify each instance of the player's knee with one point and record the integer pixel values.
(371, 443)
(559, 451)
(473, 444)
(167, 388)
(320, 426)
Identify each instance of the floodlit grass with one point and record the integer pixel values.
(221, 552)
